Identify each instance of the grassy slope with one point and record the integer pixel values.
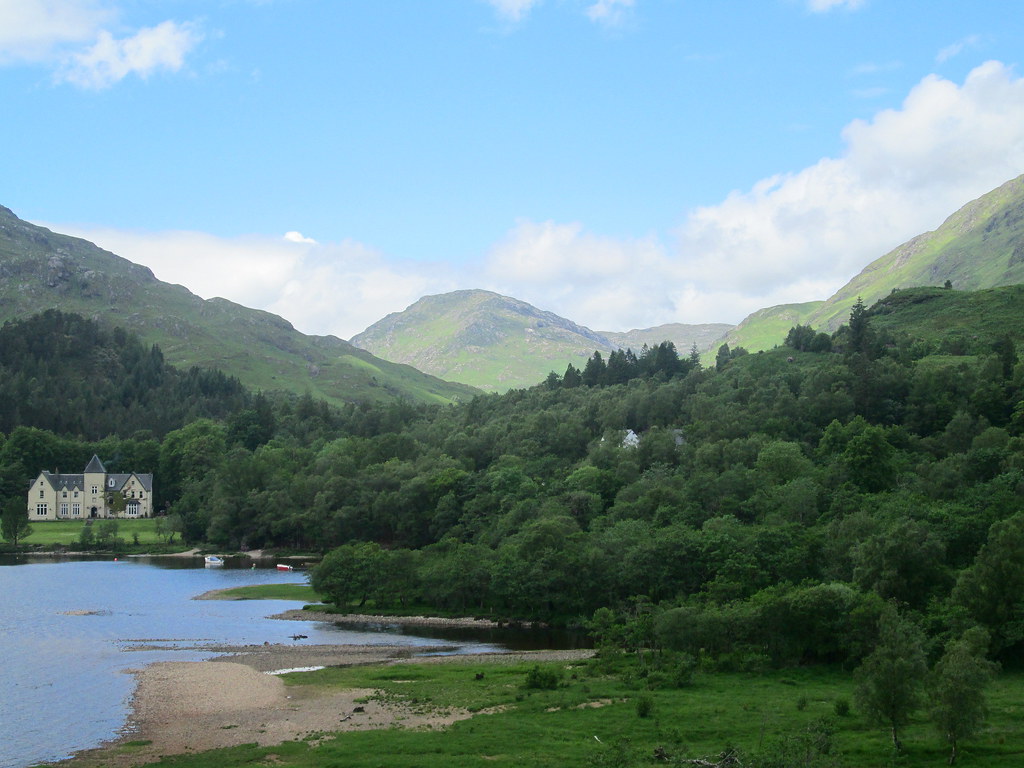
(768, 327)
(40, 269)
(482, 339)
(940, 316)
(977, 247)
(523, 727)
(974, 248)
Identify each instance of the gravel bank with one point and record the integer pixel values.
(181, 707)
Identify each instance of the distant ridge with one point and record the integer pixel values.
(40, 269)
(497, 342)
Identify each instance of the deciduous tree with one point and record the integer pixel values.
(956, 688)
(889, 682)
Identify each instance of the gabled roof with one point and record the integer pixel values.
(115, 482)
(95, 466)
(118, 481)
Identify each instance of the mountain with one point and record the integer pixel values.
(496, 342)
(684, 336)
(481, 338)
(979, 246)
(40, 270)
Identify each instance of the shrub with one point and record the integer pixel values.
(644, 706)
(542, 678)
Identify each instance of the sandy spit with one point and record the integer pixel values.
(185, 707)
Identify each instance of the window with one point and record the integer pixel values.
(65, 494)
(110, 483)
(41, 493)
(95, 489)
(76, 494)
(41, 510)
(76, 510)
(64, 509)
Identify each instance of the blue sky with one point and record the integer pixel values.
(624, 163)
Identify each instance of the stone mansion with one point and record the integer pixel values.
(92, 493)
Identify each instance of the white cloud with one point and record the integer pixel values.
(513, 10)
(604, 283)
(321, 289)
(75, 38)
(110, 60)
(901, 174)
(823, 6)
(33, 30)
(298, 237)
(956, 48)
(792, 237)
(608, 12)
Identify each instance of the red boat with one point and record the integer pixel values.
(282, 567)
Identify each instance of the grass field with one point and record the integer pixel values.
(594, 719)
(66, 533)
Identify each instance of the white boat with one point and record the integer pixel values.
(213, 561)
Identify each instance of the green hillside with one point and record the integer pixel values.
(952, 322)
(483, 339)
(40, 270)
(497, 343)
(979, 246)
(767, 327)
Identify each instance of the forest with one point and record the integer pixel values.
(775, 506)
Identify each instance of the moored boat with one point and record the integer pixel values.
(283, 567)
(213, 561)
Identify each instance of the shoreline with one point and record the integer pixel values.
(189, 707)
(186, 707)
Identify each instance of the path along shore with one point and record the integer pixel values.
(188, 707)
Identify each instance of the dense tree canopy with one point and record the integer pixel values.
(774, 502)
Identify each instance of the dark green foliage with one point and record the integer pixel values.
(542, 678)
(991, 591)
(69, 375)
(767, 511)
(14, 525)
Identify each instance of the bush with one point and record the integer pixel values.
(644, 706)
(842, 707)
(543, 679)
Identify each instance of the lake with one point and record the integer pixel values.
(70, 630)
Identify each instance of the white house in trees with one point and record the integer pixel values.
(92, 493)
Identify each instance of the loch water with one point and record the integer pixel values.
(71, 631)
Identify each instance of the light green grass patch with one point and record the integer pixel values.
(299, 592)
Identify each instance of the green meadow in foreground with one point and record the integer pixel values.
(601, 714)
